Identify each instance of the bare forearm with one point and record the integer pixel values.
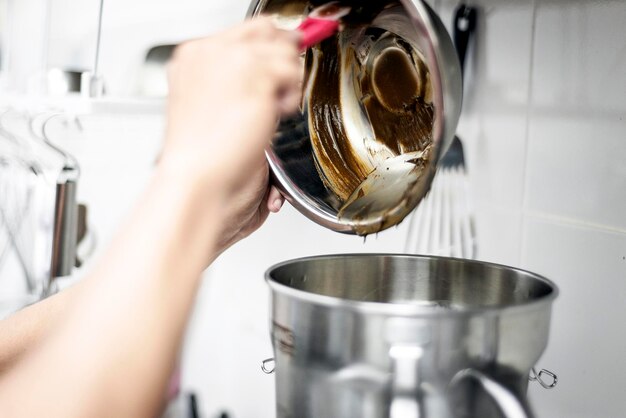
(113, 354)
(26, 329)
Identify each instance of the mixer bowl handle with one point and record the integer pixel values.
(511, 405)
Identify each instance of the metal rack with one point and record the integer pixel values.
(41, 222)
(40, 219)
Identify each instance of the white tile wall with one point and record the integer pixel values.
(575, 200)
(549, 175)
(577, 166)
(498, 230)
(577, 151)
(130, 28)
(117, 154)
(580, 54)
(493, 125)
(22, 41)
(588, 334)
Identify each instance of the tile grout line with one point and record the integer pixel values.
(544, 216)
(529, 98)
(551, 217)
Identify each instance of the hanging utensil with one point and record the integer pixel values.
(65, 211)
(443, 224)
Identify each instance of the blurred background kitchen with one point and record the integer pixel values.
(544, 131)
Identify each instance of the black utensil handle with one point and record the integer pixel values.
(193, 406)
(464, 25)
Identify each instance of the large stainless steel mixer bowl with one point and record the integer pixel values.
(373, 336)
(291, 157)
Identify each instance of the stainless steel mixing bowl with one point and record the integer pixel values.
(394, 186)
(373, 336)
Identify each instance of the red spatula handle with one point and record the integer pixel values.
(315, 31)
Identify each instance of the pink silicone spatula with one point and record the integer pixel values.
(323, 22)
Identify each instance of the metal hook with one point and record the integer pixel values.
(65, 212)
(265, 368)
(534, 376)
(71, 163)
(51, 115)
(33, 119)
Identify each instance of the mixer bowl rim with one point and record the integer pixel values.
(408, 309)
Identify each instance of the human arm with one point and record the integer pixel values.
(24, 330)
(113, 351)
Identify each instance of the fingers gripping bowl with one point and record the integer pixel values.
(381, 101)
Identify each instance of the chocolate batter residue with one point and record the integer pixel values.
(371, 121)
(394, 99)
(340, 168)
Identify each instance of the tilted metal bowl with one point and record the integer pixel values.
(309, 155)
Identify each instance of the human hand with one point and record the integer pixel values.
(226, 95)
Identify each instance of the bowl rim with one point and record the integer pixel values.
(408, 309)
